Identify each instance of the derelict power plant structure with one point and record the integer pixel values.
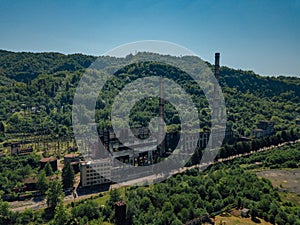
(148, 149)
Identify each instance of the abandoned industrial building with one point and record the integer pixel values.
(264, 128)
(17, 149)
(95, 172)
(141, 148)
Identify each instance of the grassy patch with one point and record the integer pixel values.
(232, 220)
(103, 199)
(285, 179)
(290, 197)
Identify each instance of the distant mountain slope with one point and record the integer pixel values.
(22, 66)
(246, 81)
(47, 82)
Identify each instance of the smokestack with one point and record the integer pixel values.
(120, 213)
(217, 72)
(217, 65)
(216, 101)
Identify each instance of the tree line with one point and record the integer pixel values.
(41, 104)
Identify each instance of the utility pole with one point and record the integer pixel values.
(161, 116)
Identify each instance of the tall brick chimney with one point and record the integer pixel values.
(217, 65)
(120, 213)
(216, 101)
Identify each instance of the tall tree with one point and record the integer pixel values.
(4, 211)
(48, 169)
(62, 215)
(115, 195)
(68, 175)
(42, 182)
(2, 127)
(54, 194)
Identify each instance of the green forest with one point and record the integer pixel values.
(180, 198)
(37, 91)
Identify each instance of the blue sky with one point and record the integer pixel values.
(258, 35)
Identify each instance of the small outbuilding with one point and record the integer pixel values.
(51, 160)
(74, 160)
(245, 212)
(71, 158)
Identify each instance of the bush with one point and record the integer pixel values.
(290, 164)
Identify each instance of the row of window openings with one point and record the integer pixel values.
(96, 174)
(97, 170)
(98, 165)
(97, 182)
(95, 178)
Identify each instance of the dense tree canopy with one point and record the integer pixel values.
(68, 176)
(54, 194)
(37, 93)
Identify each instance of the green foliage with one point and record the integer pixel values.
(62, 215)
(115, 196)
(54, 194)
(46, 82)
(48, 169)
(89, 209)
(184, 197)
(36, 98)
(26, 217)
(263, 87)
(180, 198)
(27, 66)
(2, 127)
(256, 144)
(4, 210)
(13, 170)
(42, 182)
(287, 156)
(68, 175)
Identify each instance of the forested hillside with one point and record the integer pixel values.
(26, 66)
(37, 93)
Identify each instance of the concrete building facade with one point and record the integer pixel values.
(95, 172)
